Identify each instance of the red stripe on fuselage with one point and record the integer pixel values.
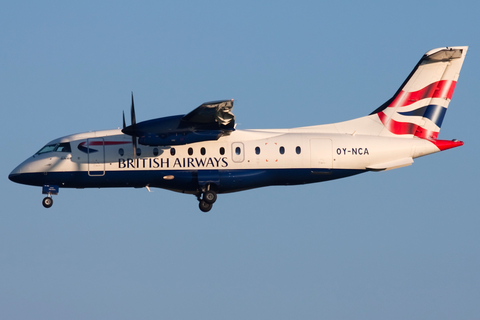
(101, 143)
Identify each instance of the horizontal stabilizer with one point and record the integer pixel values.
(391, 164)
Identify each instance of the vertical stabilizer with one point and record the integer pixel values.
(419, 106)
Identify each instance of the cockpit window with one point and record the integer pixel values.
(47, 148)
(59, 147)
(63, 147)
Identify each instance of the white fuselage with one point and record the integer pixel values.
(245, 159)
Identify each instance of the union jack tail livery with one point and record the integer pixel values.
(419, 106)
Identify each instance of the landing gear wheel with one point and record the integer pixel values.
(210, 196)
(47, 202)
(204, 206)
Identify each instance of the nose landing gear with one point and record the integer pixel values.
(47, 202)
(49, 190)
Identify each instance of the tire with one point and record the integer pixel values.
(204, 206)
(47, 202)
(210, 196)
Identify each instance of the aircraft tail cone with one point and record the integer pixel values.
(447, 144)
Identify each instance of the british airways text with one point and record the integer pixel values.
(155, 163)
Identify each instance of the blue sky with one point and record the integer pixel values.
(402, 244)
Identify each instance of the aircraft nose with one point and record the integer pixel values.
(15, 174)
(18, 174)
(30, 172)
(14, 177)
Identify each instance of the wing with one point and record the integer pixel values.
(209, 121)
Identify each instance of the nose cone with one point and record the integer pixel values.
(23, 173)
(15, 175)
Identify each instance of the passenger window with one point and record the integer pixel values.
(121, 152)
(237, 152)
(298, 150)
(203, 151)
(155, 152)
(139, 152)
(222, 151)
(282, 150)
(172, 151)
(190, 151)
(257, 150)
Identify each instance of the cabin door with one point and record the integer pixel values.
(96, 156)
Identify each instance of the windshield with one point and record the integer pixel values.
(63, 147)
(47, 148)
(59, 147)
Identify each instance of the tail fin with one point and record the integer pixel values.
(419, 106)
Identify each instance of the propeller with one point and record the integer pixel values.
(134, 123)
(132, 113)
(130, 130)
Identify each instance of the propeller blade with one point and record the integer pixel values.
(134, 121)
(131, 130)
(134, 143)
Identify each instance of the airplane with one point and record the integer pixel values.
(203, 154)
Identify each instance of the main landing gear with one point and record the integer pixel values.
(207, 201)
